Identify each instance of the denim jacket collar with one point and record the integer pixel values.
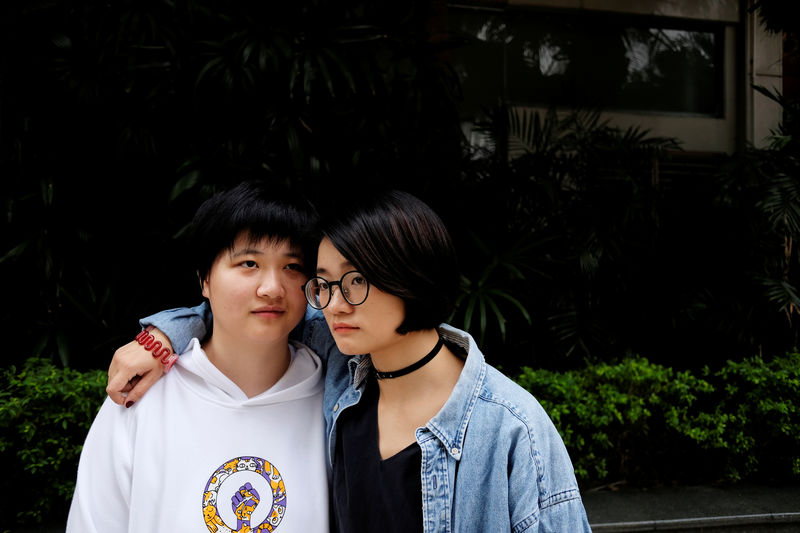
(450, 423)
(360, 367)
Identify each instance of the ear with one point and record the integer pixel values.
(203, 285)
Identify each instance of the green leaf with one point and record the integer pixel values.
(185, 183)
(15, 252)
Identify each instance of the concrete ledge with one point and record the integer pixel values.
(715, 508)
(737, 523)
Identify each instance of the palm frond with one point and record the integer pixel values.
(781, 203)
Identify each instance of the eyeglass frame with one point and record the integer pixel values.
(331, 285)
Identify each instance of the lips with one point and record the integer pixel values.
(342, 327)
(269, 310)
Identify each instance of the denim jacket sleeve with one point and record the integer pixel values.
(314, 333)
(543, 492)
(182, 324)
(493, 430)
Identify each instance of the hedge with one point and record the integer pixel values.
(45, 413)
(648, 424)
(631, 420)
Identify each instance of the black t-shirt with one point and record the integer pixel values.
(371, 494)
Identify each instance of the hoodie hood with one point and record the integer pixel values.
(303, 378)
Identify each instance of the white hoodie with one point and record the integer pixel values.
(195, 454)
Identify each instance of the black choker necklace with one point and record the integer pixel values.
(410, 368)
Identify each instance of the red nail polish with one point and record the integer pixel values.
(129, 404)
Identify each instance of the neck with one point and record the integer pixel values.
(253, 366)
(440, 373)
(409, 349)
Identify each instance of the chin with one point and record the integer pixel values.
(269, 336)
(348, 348)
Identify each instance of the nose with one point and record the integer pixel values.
(270, 285)
(338, 304)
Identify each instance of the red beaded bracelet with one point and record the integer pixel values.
(149, 343)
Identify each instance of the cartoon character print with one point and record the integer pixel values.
(231, 466)
(278, 496)
(246, 463)
(246, 498)
(212, 519)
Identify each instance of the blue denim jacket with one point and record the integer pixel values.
(491, 458)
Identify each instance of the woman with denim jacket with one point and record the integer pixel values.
(422, 434)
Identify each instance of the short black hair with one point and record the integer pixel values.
(403, 248)
(260, 210)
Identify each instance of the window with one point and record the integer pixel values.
(589, 60)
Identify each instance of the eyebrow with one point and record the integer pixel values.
(246, 251)
(344, 265)
(256, 251)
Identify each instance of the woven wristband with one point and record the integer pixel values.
(149, 343)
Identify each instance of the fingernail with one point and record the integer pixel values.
(129, 404)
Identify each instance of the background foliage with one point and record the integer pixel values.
(585, 244)
(45, 413)
(647, 424)
(628, 421)
(119, 118)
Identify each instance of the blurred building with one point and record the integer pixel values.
(678, 68)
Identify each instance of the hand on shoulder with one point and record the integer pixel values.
(134, 370)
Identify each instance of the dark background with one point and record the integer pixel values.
(117, 119)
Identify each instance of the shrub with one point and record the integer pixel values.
(45, 413)
(646, 423)
(632, 420)
(761, 406)
(622, 420)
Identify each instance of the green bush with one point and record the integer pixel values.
(646, 423)
(760, 402)
(621, 420)
(45, 413)
(632, 420)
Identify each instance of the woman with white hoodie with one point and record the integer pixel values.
(232, 438)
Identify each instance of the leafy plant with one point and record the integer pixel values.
(581, 198)
(127, 115)
(622, 421)
(494, 290)
(639, 249)
(761, 185)
(45, 413)
(760, 404)
(629, 420)
(645, 423)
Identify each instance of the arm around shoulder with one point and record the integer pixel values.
(182, 324)
(134, 370)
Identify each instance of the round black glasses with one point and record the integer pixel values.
(353, 286)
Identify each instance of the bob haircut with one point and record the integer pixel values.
(260, 211)
(403, 248)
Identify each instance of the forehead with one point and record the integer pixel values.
(330, 260)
